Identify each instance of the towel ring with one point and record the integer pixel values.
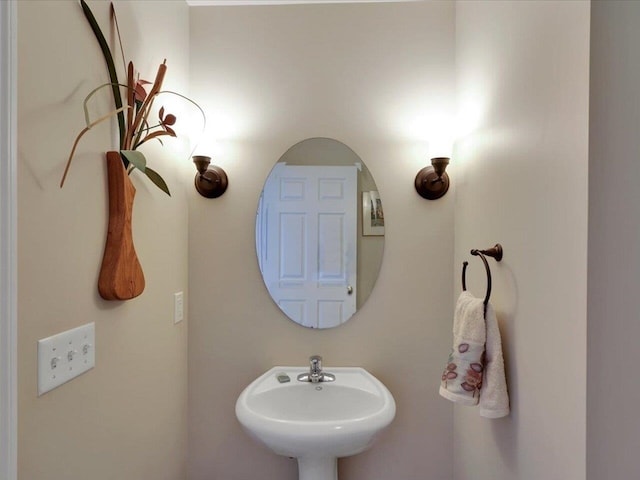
(494, 252)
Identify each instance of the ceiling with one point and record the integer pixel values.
(202, 3)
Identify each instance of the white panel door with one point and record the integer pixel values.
(309, 242)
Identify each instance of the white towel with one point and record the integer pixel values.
(475, 370)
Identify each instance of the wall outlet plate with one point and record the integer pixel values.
(64, 356)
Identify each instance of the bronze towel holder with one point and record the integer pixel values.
(494, 252)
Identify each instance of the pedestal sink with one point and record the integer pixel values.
(316, 423)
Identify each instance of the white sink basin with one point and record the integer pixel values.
(316, 422)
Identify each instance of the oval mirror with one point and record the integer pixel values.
(320, 233)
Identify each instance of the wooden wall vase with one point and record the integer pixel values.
(121, 276)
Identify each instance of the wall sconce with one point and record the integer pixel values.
(211, 181)
(433, 182)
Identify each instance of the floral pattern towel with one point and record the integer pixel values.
(462, 377)
(474, 373)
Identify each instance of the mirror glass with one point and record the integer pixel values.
(320, 233)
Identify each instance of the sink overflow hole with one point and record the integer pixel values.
(318, 388)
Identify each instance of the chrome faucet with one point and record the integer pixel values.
(316, 374)
(315, 368)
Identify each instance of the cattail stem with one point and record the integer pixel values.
(143, 113)
(131, 95)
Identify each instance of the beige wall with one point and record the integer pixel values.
(523, 79)
(613, 425)
(371, 76)
(127, 417)
(374, 77)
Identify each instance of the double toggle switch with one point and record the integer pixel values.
(64, 356)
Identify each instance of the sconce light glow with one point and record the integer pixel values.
(432, 182)
(208, 141)
(208, 145)
(440, 134)
(441, 137)
(221, 125)
(442, 147)
(471, 112)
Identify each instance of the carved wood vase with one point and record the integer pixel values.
(121, 276)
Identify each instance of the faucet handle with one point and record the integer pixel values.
(315, 362)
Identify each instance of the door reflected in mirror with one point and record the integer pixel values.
(320, 233)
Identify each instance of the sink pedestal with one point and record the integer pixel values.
(317, 468)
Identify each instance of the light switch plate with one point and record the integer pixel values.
(64, 356)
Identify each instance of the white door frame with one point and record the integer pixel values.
(8, 240)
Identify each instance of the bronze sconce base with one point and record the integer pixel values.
(211, 181)
(433, 182)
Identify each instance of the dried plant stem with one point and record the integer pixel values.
(152, 136)
(143, 112)
(134, 128)
(73, 150)
(131, 95)
(85, 130)
(115, 21)
(108, 58)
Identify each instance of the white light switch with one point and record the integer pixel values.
(64, 356)
(178, 307)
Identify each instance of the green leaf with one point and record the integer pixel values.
(108, 58)
(157, 180)
(136, 159)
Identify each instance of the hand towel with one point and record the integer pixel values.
(475, 370)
